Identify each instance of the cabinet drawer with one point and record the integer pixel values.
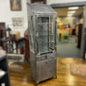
(46, 69)
(51, 56)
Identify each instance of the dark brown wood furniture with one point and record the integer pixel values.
(79, 35)
(9, 43)
(2, 33)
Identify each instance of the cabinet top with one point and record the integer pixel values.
(41, 8)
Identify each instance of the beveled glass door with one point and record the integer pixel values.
(46, 34)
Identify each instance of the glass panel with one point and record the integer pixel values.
(51, 33)
(43, 34)
(31, 35)
(46, 42)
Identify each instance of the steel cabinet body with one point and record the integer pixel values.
(42, 38)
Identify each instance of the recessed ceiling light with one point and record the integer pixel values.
(69, 15)
(71, 12)
(73, 8)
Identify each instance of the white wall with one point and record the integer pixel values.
(6, 14)
(29, 1)
(62, 1)
(70, 21)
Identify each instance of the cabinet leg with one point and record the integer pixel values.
(56, 77)
(37, 83)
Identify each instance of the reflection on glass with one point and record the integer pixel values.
(46, 33)
(31, 36)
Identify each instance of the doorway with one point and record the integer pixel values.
(76, 4)
(69, 31)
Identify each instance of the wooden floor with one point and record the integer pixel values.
(22, 76)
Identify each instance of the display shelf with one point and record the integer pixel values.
(43, 60)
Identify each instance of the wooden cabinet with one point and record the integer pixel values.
(79, 28)
(2, 27)
(2, 33)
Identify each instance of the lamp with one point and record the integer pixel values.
(8, 29)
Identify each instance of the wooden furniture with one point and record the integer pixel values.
(20, 42)
(63, 35)
(79, 35)
(4, 73)
(10, 48)
(2, 27)
(8, 45)
(2, 33)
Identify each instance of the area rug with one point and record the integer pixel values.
(15, 58)
(16, 67)
(78, 69)
(15, 62)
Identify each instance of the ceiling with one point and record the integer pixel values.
(62, 12)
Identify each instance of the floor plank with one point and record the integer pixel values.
(22, 76)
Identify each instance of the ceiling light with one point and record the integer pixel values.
(73, 8)
(71, 12)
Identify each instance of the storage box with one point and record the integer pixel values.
(17, 35)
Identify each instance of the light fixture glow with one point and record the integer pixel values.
(69, 15)
(71, 12)
(73, 8)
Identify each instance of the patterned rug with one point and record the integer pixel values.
(14, 61)
(16, 67)
(78, 69)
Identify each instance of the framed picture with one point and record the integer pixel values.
(18, 22)
(38, 1)
(15, 5)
